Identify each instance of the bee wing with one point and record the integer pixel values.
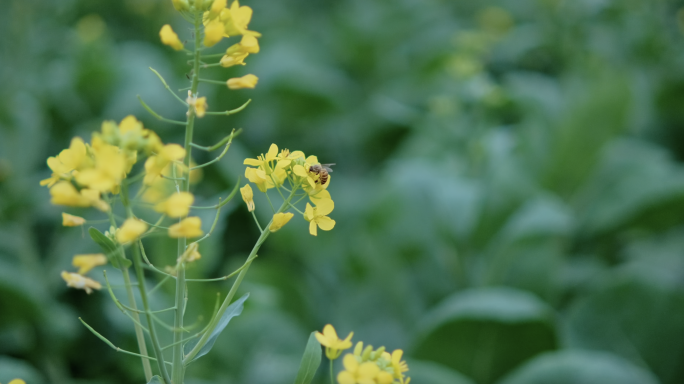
(327, 167)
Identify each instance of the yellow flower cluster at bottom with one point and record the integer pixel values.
(365, 365)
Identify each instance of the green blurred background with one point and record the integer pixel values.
(509, 186)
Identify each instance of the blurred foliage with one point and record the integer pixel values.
(509, 186)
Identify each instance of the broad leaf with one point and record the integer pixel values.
(109, 248)
(310, 361)
(433, 373)
(235, 309)
(484, 333)
(155, 380)
(579, 367)
(636, 314)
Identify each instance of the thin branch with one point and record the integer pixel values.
(221, 278)
(232, 111)
(218, 145)
(158, 116)
(114, 346)
(212, 81)
(213, 226)
(229, 198)
(167, 87)
(219, 157)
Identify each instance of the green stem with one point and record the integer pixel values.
(178, 367)
(140, 274)
(226, 302)
(332, 376)
(140, 337)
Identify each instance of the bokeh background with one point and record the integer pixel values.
(509, 186)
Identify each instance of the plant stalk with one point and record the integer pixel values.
(226, 302)
(178, 367)
(139, 335)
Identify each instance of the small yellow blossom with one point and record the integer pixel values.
(332, 343)
(317, 216)
(71, 220)
(154, 166)
(246, 81)
(191, 253)
(398, 365)
(237, 53)
(74, 280)
(248, 196)
(236, 20)
(178, 205)
(199, 104)
(213, 32)
(17, 381)
(87, 262)
(216, 7)
(130, 230)
(110, 168)
(264, 176)
(64, 193)
(279, 221)
(67, 161)
(355, 373)
(188, 227)
(170, 38)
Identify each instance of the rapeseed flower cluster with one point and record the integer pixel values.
(91, 174)
(364, 365)
(220, 21)
(275, 168)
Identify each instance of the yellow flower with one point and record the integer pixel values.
(178, 205)
(110, 168)
(246, 81)
(236, 20)
(67, 161)
(199, 104)
(71, 220)
(17, 381)
(279, 221)
(155, 165)
(248, 196)
(316, 216)
(213, 32)
(130, 230)
(237, 53)
(264, 176)
(74, 280)
(64, 193)
(364, 373)
(398, 365)
(169, 37)
(216, 7)
(87, 262)
(191, 253)
(188, 227)
(332, 343)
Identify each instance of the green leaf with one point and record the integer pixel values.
(579, 367)
(484, 333)
(310, 361)
(433, 373)
(636, 314)
(155, 380)
(110, 249)
(235, 309)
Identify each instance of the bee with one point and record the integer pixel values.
(322, 170)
